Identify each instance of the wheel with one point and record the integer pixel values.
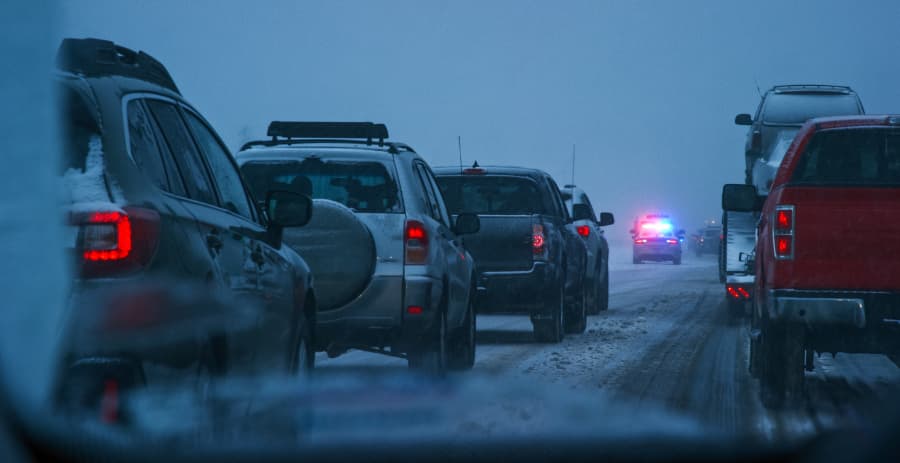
(604, 291)
(576, 316)
(781, 364)
(676, 260)
(461, 354)
(303, 358)
(430, 357)
(552, 330)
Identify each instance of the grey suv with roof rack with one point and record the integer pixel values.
(392, 274)
(787, 107)
(157, 204)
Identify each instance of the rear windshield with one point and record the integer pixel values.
(862, 157)
(492, 195)
(364, 186)
(796, 108)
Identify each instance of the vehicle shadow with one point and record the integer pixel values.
(504, 337)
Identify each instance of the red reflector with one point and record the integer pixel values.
(583, 230)
(784, 219)
(414, 310)
(783, 245)
(109, 403)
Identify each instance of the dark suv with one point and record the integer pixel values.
(155, 201)
(597, 268)
(787, 107)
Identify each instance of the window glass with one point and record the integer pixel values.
(865, 157)
(143, 145)
(364, 186)
(183, 150)
(231, 189)
(796, 108)
(79, 125)
(498, 195)
(439, 210)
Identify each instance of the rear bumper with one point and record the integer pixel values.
(519, 292)
(841, 321)
(378, 316)
(651, 252)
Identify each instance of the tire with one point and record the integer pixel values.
(604, 291)
(430, 357)
(781, 365)
(576, 316)
(461, 355)
(302, 358)
(551, 331)
(676, 260)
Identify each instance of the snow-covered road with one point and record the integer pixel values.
(667, 340)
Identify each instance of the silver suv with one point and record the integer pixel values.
(391, 272)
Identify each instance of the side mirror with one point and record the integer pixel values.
(743, 119)
(581, 212)
(466, 224)
(606, 218)
(740, 198)
(288, 209)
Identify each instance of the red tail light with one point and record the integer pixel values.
(672, 241)
(414, 310)
(116, 242)
(737, 292)
(538, 241)
(783, 232)
(416, 243)
(640, 241)
(583, 230)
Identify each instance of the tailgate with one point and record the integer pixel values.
(502, 243)
(845, 238)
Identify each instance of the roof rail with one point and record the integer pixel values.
(393, 147)
(340, 130)
(813, 87)
(95, 57)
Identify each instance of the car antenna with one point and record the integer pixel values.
(758, 91)
(459, 148)
(573, 163)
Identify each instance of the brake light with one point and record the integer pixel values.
(672, 241)
(584, 230)
(737, 292)
(473, 171)
(416, 243)
(783, 232)
(640, 241)
(538, 241)
(414, 310)
(116, 242)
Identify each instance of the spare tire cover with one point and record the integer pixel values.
(339, 249)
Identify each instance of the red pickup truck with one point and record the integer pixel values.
(828, 250)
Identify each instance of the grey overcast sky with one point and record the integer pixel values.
(647, 90)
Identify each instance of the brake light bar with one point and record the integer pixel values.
(473, 171)
(783, 232)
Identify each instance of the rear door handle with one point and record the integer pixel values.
(213, 241)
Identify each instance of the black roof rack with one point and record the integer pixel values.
(299, 133)
(96, 58)
(340, 130)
